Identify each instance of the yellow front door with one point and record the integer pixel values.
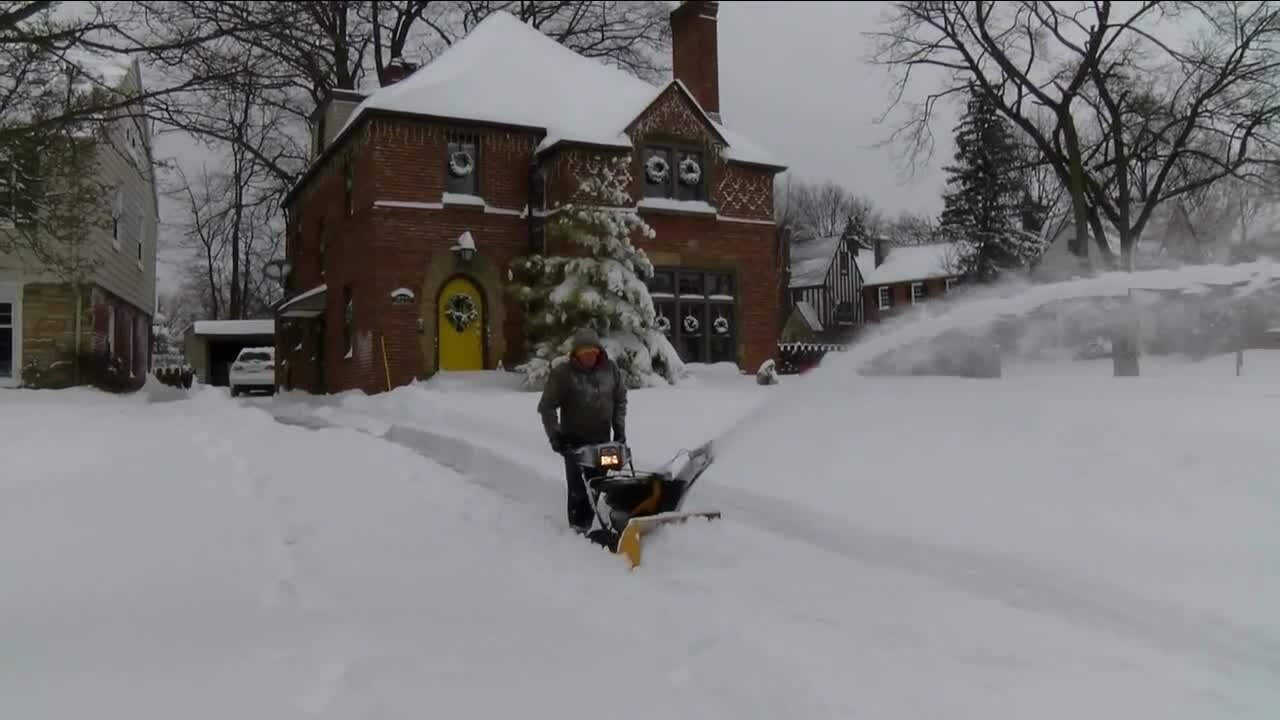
(460, 326)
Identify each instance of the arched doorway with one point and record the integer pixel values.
(460, 325)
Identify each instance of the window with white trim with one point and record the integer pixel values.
(673, 172)
(951, 283)
(884, 296)
(917, 292)
(695, 310)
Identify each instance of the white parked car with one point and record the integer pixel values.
(254, 369)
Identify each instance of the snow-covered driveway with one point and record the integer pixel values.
(197, 559)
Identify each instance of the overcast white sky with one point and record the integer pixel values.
(794, 78)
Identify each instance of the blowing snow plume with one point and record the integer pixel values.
(910, 341)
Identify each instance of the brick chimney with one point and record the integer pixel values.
(879, 250)
(694, 55)
(396, 70)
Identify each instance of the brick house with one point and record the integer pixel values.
(904, 275)
(44, 323)
(421, 194)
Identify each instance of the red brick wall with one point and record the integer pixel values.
(901, 294)
(747, 250)
(405, 240)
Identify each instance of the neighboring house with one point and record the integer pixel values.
(904, 275)
(40, 332)
(825, 289)
(402, 230)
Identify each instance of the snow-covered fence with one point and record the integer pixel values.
(797, 357)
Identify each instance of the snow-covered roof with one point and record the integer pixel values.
(865, 260)
(234, 327)
(810, 315)
(904, 263)
(505, 71)
(810, 260)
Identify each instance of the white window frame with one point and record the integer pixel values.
(951, 283)
(884, 297)
(915, 285)
(11, 292)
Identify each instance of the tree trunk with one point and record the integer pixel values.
(1080, 213)
(1124, 339)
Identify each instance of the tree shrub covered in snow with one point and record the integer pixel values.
(986, 199)
(603, 289)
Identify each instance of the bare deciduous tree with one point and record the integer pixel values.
(1135, 120)
(822, 209)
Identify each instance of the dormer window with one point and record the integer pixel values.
(674, 172)
(462, 165)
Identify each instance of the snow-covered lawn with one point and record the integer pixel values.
(1056, 544)
(1136, 517)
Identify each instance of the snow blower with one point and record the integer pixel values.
(637, 502)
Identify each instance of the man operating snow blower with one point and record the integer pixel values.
(591, 396)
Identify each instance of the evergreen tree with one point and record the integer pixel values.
(603, 289)
(984, 205)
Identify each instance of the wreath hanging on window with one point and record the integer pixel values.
(721, 325)
(691, 324)
(690, 171)
(461, 164)
(663, 323)
(656, 168)
(461, 311)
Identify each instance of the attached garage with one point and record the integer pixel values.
(212, 345)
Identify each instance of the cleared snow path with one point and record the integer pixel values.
(1248, 654)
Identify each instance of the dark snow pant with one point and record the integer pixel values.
(579, 503)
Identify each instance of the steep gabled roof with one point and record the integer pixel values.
(507, 72)
(811, 259)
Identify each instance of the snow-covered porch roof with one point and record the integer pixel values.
(307, 305)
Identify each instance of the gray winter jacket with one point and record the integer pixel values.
(592, 401)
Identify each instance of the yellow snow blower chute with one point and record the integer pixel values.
(635, 503)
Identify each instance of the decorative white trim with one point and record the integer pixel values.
(11, 292)
(408, 205)
(748, 221)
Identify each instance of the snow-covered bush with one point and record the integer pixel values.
(603, 289)
(767, 374)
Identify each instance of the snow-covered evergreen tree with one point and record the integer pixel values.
(603, 289)
(984, 204)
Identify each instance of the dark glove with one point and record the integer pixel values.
(557, 443)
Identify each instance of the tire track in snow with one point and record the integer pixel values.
(1000, 579)
(318, 663)
(252, 486)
